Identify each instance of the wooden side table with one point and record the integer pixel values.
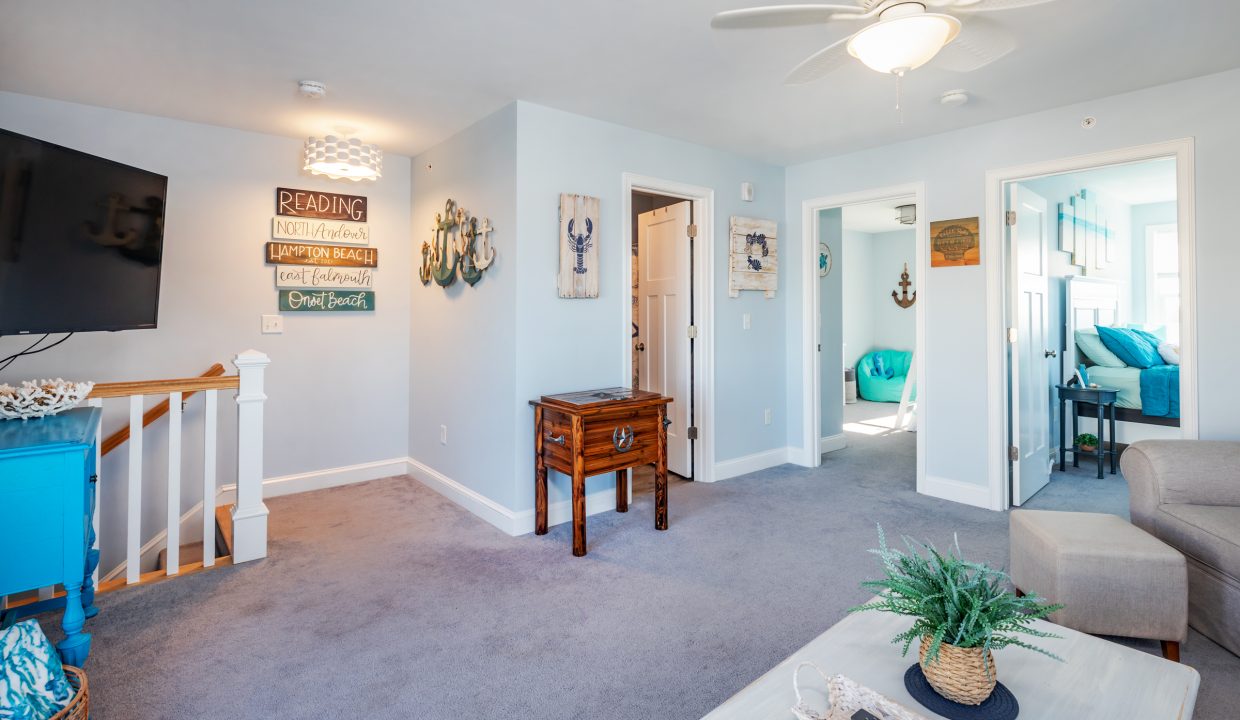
(596, 431)
(1104, 399)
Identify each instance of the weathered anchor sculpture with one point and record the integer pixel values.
(468, 256)
(906, 301)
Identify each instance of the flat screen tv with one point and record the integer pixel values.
(81, 239)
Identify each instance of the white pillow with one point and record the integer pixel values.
(1170, 353)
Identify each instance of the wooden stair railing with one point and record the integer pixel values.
(117, 438)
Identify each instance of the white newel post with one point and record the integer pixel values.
(249, 514)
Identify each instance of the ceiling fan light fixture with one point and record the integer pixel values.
(905, 38)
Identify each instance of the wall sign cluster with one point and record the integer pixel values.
(753, 257)
(459, 244)
(320, 247)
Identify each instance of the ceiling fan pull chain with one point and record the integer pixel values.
(899, 93)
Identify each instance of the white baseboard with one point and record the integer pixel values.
(831, 443)
(751, 463)
(956, 491)
(509, 521)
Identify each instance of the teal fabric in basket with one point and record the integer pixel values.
(32, 680)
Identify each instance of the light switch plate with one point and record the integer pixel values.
(273, 324)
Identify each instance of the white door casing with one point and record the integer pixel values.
(1031, 361)
(663, 252)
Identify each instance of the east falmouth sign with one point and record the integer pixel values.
(295, 276)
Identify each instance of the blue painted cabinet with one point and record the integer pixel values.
(47, 496)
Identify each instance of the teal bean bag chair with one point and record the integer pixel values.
(881, 375)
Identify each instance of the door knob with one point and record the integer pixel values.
(641, 347)
(1051, 353)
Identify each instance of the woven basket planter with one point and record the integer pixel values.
(79, 705)
(959, 674)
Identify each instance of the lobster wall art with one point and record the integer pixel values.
(459, 244)
(578, 241)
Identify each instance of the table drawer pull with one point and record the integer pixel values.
(558, 440)
(622, 438)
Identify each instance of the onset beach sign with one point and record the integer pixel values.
(326, 301)
(290, 253)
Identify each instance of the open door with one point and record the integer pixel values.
(663, 256)
(1032, 352)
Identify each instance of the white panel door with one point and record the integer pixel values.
(1032, 354)
(664, 365)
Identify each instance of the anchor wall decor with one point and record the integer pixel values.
(460, 243)
(905, 301)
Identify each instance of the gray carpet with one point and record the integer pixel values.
(385, 600)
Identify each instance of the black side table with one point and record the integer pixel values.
(1104, 399)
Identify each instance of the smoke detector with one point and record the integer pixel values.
(954, 98)
(312, 89)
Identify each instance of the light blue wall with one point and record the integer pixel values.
(463, 338)
(574, 344)
(858, 307)
(831, 313)
(895, 328)
(953, 166)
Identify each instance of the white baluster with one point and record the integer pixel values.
(97, 402)
(249, 514)
(174, 483)
(133, 544)
(208, 480)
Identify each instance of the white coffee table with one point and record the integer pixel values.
(1099, 679)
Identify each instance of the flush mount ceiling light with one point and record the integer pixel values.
(343, 159)
(904, 38)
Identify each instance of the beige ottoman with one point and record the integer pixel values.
(1113, 578)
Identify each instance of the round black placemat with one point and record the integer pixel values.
(1001, 705)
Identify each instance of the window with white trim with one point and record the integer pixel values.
(1162, 272)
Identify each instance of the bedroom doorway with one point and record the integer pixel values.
(887, 424)
(1096, 268)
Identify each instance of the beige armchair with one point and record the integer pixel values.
(1187, 494)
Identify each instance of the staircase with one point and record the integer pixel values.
(192, 554)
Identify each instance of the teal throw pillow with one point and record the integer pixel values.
(1131, 346)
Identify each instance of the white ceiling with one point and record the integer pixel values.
(875, 217)
(409, 74)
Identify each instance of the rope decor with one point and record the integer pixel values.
(962, 675)
(845, 697)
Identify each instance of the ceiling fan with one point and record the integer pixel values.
(904, 35)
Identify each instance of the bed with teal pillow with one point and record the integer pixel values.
(1092, 346)
(1135, 348)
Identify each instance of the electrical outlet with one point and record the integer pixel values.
(745, 323)
(273, 324)
(768, 416)
(443, 434)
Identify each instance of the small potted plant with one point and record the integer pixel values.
(1087, 442)
(962, 611)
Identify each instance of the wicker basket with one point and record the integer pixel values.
(959, 674)
(79, 705)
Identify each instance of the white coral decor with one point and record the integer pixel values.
(36, 398)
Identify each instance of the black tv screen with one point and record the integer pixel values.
(81, 239)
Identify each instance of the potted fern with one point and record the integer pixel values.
(962, 611)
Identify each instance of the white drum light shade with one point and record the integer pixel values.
(903, 43)
(341, 159)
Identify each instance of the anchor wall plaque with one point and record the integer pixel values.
(460, 243)
(903, 299)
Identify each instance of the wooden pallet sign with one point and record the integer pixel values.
(321, 205)
(753, 256)
(309, 276)
(326, 300)
(331, 231)
(291, 253)
(578, 241)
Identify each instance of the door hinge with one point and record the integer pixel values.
(691, 231)
(692, 333)
(691, 433)
(1011, 217)
(1012, 335)
(1013, 453)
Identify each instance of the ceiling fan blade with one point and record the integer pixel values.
(981, 41)
(820, 64)
(982, 5)
(783, 16)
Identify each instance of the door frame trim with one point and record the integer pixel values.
(995, 258)
(811, 331)
(703, 309)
